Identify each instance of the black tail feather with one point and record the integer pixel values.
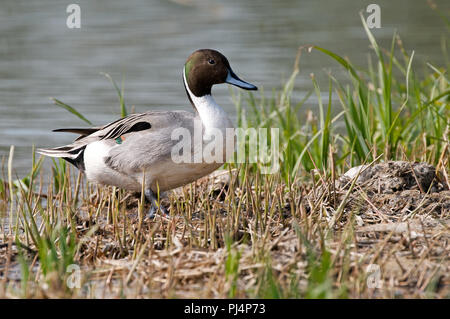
(78, 162)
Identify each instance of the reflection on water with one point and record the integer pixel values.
(145, 43)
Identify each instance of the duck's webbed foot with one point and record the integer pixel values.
(154, 205)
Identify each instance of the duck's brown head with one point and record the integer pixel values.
(207, 67)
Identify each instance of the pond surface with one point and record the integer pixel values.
(145, 44)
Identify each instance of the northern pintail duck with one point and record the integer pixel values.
(137, 149)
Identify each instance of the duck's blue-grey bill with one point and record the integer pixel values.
(233, 79)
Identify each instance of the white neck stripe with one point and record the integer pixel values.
(211, 114)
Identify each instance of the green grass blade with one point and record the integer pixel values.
(123, 108)
(71, 110)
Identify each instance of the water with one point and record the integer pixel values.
(145, 43)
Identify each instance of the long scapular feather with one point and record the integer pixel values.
(81, 131)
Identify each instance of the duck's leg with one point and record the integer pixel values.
(154, 204)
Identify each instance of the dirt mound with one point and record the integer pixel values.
(392, 177)
(391, 189)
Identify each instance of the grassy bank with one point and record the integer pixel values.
(299, 233)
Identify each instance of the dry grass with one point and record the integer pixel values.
(253, 236)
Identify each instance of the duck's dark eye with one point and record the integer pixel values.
(211, 61)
